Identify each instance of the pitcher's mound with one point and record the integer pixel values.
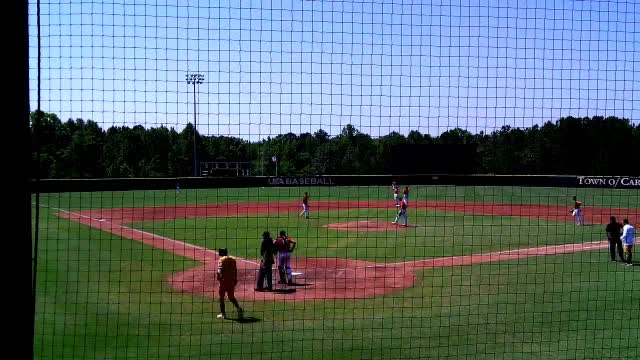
(366, 226)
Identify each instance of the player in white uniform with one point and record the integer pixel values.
(628, 239)
(285, 245)
(402, 214)
(577, 212)
(305, 206)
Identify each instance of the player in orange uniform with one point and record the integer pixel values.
(577, 211)
(227, 276)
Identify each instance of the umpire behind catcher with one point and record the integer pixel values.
(267, 252)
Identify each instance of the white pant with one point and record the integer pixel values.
(284, 261)
(305, 210)
(401, 214)
(578, 215)
(406, 200)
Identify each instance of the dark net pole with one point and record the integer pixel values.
(18, 115)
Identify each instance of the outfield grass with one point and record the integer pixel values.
(438, 233)
(625, 198)
(101, 296)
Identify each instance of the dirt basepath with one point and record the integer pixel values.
(324, 279)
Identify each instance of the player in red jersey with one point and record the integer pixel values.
(405, 195)
(395, 196)
(402, 214)
(305, 206)
(285, 245)
(577, 211)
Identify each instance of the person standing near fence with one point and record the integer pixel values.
(396, 191)
(267, 252)
(628, 239)
(614, 229)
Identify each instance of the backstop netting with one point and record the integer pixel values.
(388, 179)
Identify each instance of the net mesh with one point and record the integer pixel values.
(226, 113)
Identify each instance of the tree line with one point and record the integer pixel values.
(570, 145)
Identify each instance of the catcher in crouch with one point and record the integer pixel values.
(285, 245)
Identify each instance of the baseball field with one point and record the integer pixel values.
(480, 272)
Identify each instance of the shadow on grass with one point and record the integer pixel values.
(244, 320)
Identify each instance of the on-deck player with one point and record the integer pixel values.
(227, 276)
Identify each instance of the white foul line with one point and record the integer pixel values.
(591, 245)
(146, 233)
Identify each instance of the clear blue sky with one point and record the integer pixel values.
(297, 65)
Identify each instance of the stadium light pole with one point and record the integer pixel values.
(195, 79)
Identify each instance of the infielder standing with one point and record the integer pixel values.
(402, 213)
(628, 238)
(405, 195)
(395, 197)
(577, 212)
(305, 206)
(285, 246)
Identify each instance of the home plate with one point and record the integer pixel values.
(296, 273)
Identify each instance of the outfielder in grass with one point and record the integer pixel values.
(402, 214)
(228, 279)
